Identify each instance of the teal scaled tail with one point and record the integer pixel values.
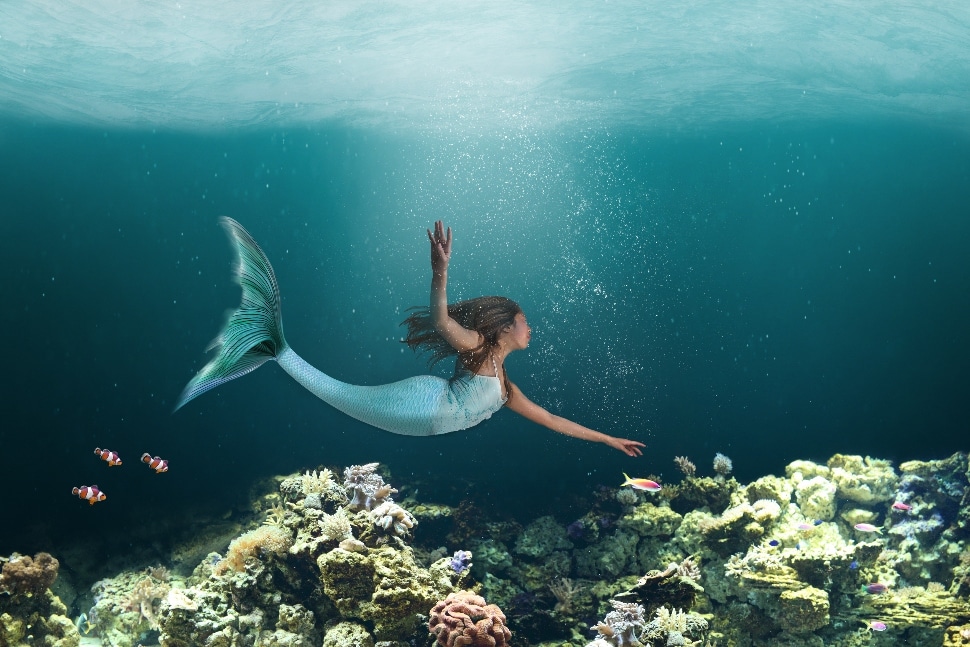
(423, 405)
(254, 332)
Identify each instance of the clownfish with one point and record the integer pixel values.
(110, 457)
(89, 493)
(155, 463)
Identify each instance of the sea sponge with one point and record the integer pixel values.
(23, 574)
(649, 520)
(464, 618)
(542, 537)
(803, 610)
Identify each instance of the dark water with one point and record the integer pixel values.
(769, 292)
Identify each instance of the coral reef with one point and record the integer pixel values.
(336, 568)
(30, 614)
(846, 553)
(126, 607)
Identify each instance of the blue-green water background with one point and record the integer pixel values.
(772, 292)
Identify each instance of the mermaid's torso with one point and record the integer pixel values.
(425, 405)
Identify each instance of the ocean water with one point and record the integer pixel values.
(736, 230)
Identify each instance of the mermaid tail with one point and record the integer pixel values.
(254, 331)
(418, 406)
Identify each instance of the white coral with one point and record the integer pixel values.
(335, 527)
(315, 482)
(671, 620)
(766, 510)
(393, 519)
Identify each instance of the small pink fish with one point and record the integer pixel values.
(867, 527)
(641, 484)
(899, 505)
(876, 625)
(876, 588)
(805, 527)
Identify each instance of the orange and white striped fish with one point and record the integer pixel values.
(89, 493)
(156, 463)
(110, 457)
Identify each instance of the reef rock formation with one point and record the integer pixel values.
(29, 613)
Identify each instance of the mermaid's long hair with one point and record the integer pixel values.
(488, 316)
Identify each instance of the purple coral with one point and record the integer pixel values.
(460, 561)
(606, 522)
(576, 530)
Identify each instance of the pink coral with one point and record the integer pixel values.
(23, 574)
(463, 619)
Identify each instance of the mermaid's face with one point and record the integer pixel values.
(519, 334)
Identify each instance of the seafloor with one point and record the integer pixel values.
(851, 552)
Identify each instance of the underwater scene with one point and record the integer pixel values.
(699, 294)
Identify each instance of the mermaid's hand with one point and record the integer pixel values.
(628, 447)
(440, 248)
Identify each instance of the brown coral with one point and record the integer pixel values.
(23, 574)
(265, 539)
(463, 618)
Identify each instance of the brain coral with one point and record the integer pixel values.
(463, 618)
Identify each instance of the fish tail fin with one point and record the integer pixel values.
(627, 477)
(254, 331)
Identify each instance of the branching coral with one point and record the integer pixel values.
(275, 515)
(690, 569)
(565, 591)
(464, 618)
(685, 465)
(314, 482)
(673, 626)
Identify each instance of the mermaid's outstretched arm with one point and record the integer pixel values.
(454, 333)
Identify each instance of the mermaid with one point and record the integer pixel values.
(480, 332)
